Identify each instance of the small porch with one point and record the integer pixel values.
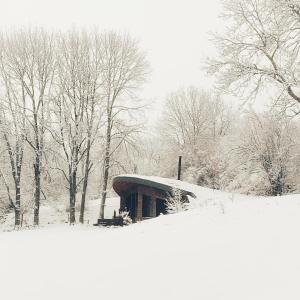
(143, 202)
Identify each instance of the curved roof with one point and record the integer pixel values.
(124, 182)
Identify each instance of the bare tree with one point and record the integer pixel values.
(268, 145)
(93, 118)
(12, 124)
(77, 108)
(191, 115)
(124, 69)
(193, 124)
(186, 117)
(31, 63)
(259, 49)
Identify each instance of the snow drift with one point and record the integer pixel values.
(228, 247)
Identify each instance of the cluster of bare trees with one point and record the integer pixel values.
(193, 124)
(63, 98)
(249, 152)
(259, 54)
(253, 152)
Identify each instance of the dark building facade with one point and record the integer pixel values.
(145, 197)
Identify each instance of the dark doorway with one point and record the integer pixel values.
(146, 206)
(161, 207)
(131, 204)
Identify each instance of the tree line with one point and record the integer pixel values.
(64, 97)
(223, 148)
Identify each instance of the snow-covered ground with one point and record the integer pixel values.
(228, 247)
(57, 214)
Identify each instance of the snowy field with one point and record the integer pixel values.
(228, 247)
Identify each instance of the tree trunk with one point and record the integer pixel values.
(73, 191)
(104, 189)
(106, 169)
(17, 217)
(37, 193)
(83, 196)
(85, 183)
(278, 185)
(37, 171)
(18, 205)
(72, 209)
(16, 167)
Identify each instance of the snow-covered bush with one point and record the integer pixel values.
(268, 164)
(176, 202)
(126, 218)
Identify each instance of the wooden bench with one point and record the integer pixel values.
(110, 222)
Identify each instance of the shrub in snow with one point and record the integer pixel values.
(176, 202)
(268, 153)
(126, 218)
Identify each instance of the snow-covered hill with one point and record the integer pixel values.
(228, 247)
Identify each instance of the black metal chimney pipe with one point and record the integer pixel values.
(179, 168)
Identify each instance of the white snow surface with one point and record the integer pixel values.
(228, 246)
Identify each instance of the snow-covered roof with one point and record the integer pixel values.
(165, 184)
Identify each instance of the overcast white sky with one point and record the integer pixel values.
(174, 33)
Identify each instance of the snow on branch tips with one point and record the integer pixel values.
(176, 202)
